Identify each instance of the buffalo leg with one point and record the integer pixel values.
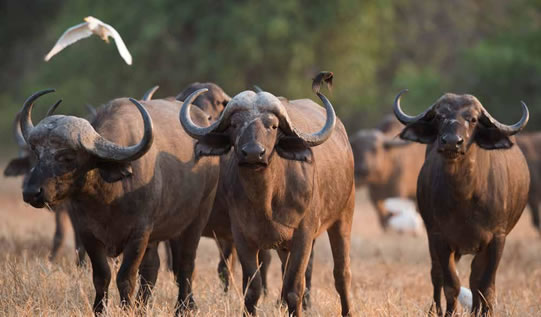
(383, 214)
(534, 208)
(61, 224)
(339, 238)
(80, 251)
(127, 274)
(184, 251)
(436, 275)
(101, 273)
(168, 255)
(451, 284)
(264, 258)
(227, 261)
(308, 276)
(284, 257)
(148, 273)
(294, 277)
(251, 277)
(483, 276)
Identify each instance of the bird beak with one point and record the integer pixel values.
(86, 19)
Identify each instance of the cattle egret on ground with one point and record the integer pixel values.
(86, 29)
(403, 215)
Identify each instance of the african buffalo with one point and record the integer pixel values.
(471, 191)
(126, 197)
(213, 102)
(530, 144)
(284, 186)
(219, 225)
(22, 166)
(388, 166)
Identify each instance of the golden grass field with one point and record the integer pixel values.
(390, 272)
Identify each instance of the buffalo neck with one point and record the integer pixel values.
(461, 173)
(259, 183)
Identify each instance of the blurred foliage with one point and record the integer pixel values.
(375, 48)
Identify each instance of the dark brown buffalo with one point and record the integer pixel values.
(530, 144)
(471, 191)
(213, 102)
(284, 186)
(387, 165)
(132, 185)
(218, 226)
(21, 166)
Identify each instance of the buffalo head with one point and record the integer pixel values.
(256, 125)
(371, 152)
(213, 102)
(67, 147)
(455, 122)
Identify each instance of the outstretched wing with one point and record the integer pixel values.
(72, 35)
(122, 49)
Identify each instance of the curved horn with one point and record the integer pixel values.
(92, 111)
(401, 116)
(509, 130)
(257, 88)
(315, 138)
(25, 120)
(17, 131)
(110, 151)
(51, 110)
(193, 129)
(325, 132)
(149, 93)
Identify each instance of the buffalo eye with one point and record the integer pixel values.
(65, 157)
(473, 120)
(274, 127)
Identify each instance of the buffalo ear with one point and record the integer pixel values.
(212, 144)
(18, 166)
(293, 148)
(420, 131)
(114, 171)
(492, 139)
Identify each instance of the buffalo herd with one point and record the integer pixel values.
(257, 172)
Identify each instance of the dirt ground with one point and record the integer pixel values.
(390, 272)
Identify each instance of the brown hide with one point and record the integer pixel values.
(530, 144)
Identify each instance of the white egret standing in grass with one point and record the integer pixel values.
(403, 215)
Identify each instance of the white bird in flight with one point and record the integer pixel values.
(86, 29)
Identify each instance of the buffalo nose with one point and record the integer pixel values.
(32, 195)
(253, 152)
(452, 140)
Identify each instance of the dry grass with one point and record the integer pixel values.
(390, 272)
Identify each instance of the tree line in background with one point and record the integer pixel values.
(375, 48)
